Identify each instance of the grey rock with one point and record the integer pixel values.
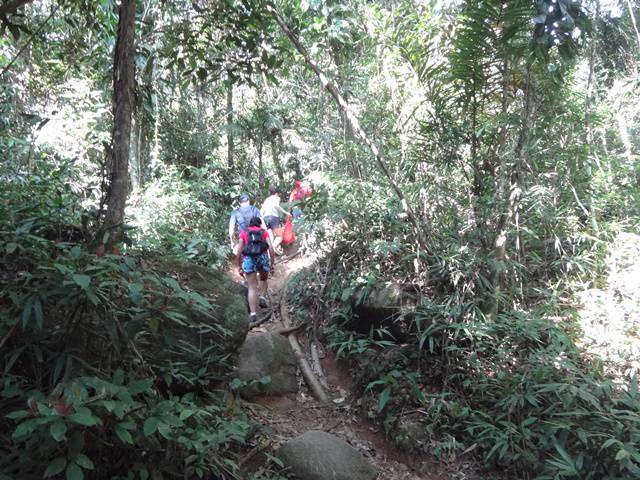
(317, 455)
(200, 335)
(267, 355)
(384, 305)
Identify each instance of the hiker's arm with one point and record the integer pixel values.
(239, 247)
(232, 226)
(272, 255)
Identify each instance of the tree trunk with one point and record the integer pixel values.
(512, 201)
(260, 167)
(123, 102)
(230, 145)
(588, 137)
(276, 161)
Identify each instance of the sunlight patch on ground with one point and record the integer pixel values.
(610, 316)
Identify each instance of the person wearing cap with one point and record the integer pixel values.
(240, 218)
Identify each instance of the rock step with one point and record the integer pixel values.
(317, 455)
(267, 355)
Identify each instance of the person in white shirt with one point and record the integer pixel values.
(270, 212)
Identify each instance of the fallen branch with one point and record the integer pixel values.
(316, 365)
(287, 258)
(305, 368)
(255, 451)
(288, 330)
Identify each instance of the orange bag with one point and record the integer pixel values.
(288, 235)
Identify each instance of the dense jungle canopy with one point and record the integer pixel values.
(473, 161)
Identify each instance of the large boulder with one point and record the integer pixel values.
(384, 305)
(317, 455)
(267, 355)
(195, 335)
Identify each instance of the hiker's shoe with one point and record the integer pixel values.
(253, 319)
(279, 251)
(263, 302)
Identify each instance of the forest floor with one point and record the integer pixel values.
(288, 416)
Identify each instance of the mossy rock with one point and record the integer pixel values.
(410, 434)
(317, 455)
(384, 305)
(267, 366)
(198, 335)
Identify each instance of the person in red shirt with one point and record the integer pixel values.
(256, 257)
(301, 190)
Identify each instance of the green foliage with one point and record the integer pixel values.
(96, 352)
(179, 212)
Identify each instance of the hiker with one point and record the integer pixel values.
(256, 256)
(271, 215)
(301, 191)
(241, 217)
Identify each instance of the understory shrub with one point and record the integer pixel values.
(110, 370)
(497, 373)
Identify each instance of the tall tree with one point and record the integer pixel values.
(230, 145)
(123, 103)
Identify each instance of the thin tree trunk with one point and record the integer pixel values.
(134, 164)
(123, 103)
(260, 167)
(633, 21)
(422, 242)
(276, 161)
(230, 145)
(588, 137)
(511, 213)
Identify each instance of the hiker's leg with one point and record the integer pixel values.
(252, 285)
(264, 282)
(263, 267)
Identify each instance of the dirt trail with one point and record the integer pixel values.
(289, 416)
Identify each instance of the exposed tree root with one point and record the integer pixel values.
(305, 368)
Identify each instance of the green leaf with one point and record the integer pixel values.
(74, 472)
(84, 461)
(140, 386)
(118, 377)
(37, 310)
(542, 18)
(58, 430)
(11, 247)
(622, 453)
(17, 415)
(384, 398)
(150, 426)
(164, 430)
(26, 312)
(82, 280)
(83, 416)
(123, 434)
(187, 413)
(55, 467)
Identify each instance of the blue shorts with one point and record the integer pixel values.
(261, 263)
(272, 222)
